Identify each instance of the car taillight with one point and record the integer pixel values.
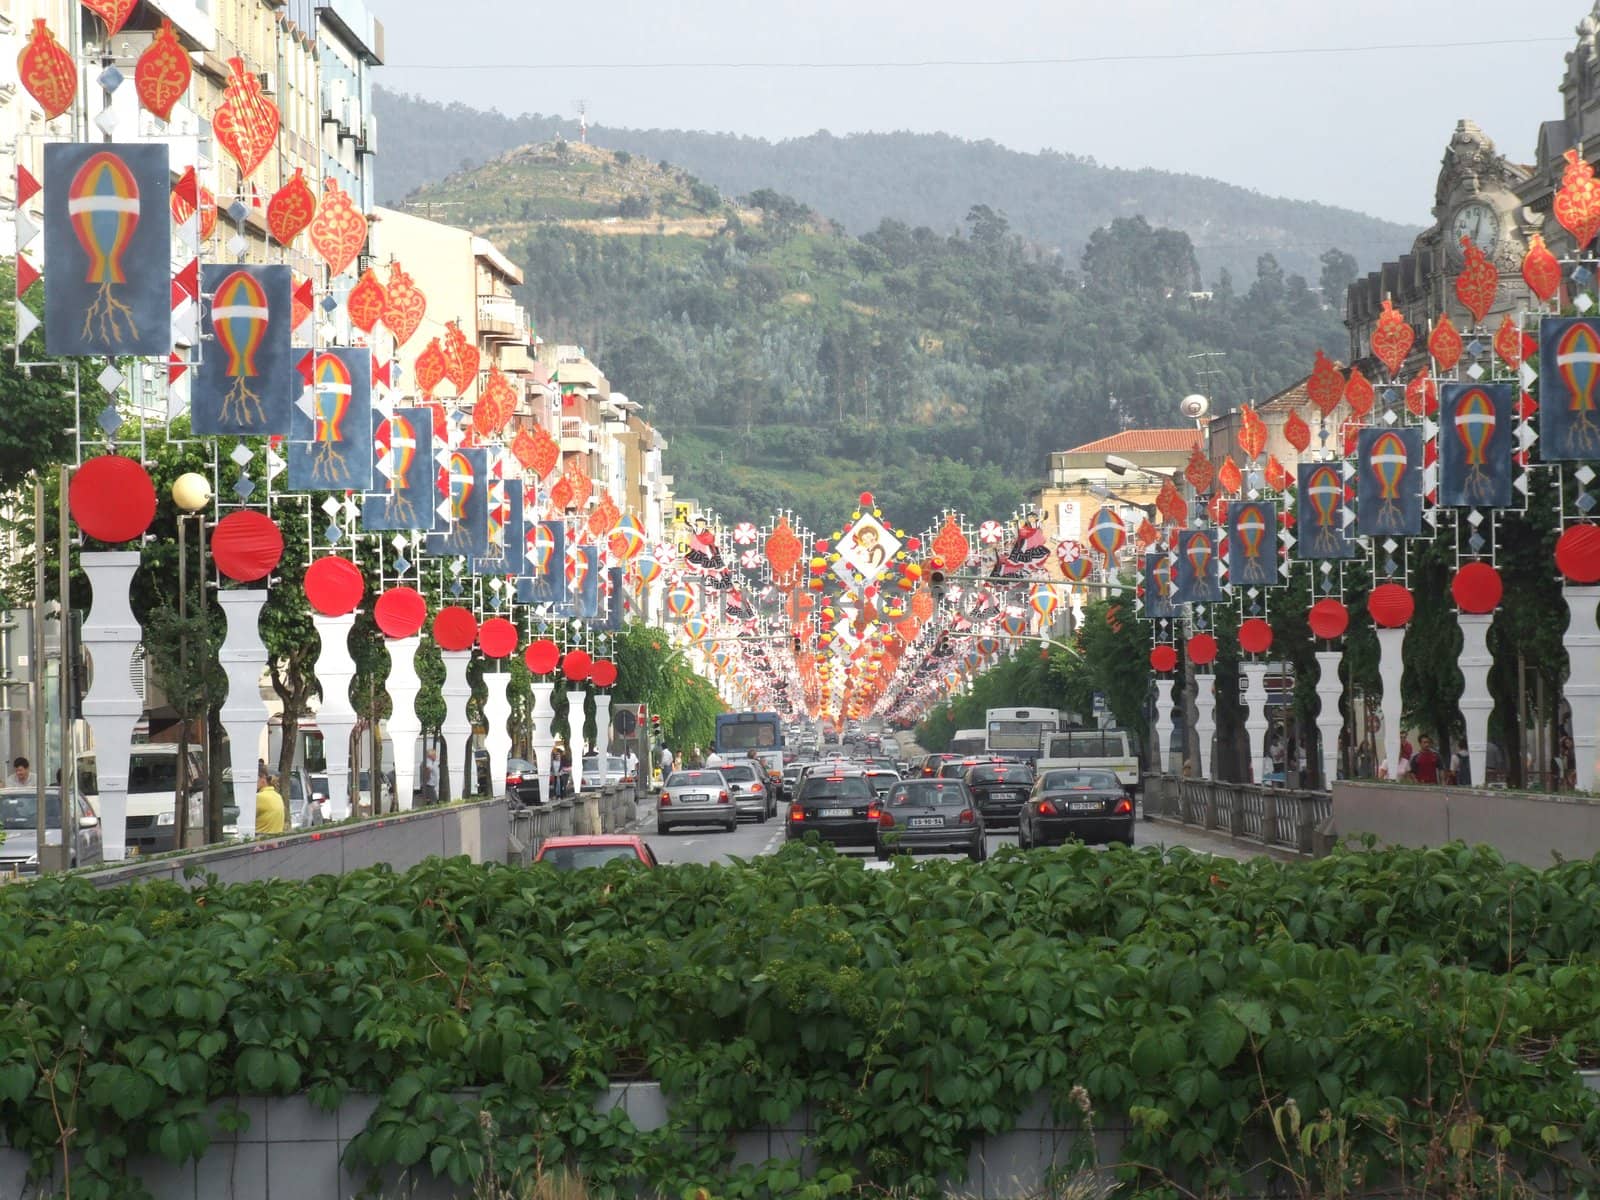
(722, 798)
(756, 789)
(967, 816)
(666, 799)
(885, 819)
(1046, 809)
(1124, 807)
(796, 813)
(513, 779)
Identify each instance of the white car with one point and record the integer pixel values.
(616, 770)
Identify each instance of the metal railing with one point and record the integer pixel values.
(615, 808)
(1245, 812)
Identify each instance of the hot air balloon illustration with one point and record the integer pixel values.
(647, 568)
(627, 539)
(403, 456)
(1197, 564)
(577, 568)
(1043, 600)
(1250, 535)
(1107, 534)
(697, 628)
(330, 407)
(543, 541)
(1385, 462)
(1322, 489)
(462, 485)
(1474, 417)
(680, 600)
(1569, 407)
(1158, 601)
(1014, 624)
(1078, 569)
(103, 204)
(240, 315)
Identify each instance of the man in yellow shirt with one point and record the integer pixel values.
(269, 806)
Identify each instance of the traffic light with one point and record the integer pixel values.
(655, 727)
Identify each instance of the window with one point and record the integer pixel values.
(1002, 773)
(1111, 743)
(929, 795)
(1080, 781)
(20, 810)
(854, 787)
(575, 858)
(695, 779)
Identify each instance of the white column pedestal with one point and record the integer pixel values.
(1255, 718)
(404, 726)
(336, 718)
(111, 707)
(1476, 702)
(1391, 666)
(1161, 735)
(1329, 719)
(1205, 725)
(1582, 641)
(244, 713)
(456, 730)
(543, 736)
(497, 715)
(602, 725)
(575, 716)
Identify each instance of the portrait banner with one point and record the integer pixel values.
(1158, 584)
(616, 599)
(1320, 517)
(403, 442)
(1253, 543)
(544, 580)
(330, 427)
(461, 521)
(1389, 482)
(246, 381)
(1475, 444)
(507, 534)
(1195, 580)
(1569, 389)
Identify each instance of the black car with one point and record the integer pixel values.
(836, 806)
(935, 816)
(1086, 804)
(999, 790)
(928, 766)
(522, 782)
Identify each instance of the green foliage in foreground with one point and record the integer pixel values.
(1422, 1011)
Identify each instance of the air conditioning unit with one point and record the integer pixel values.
(369, 133)
(269, 82)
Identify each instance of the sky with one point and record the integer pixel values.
(1363, 129)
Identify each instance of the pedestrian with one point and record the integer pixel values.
(558, 774)
(696, 760)
(633, 766)
(666, 761)
(1425, 763)
(1406, 748)
(430, 776)
(713, 759)
(269, 805)
(21, 776)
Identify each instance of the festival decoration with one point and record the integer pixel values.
(1477, 588)
(291, 208)
(1569, 375)
(1199, 471)
(1421, 396)
(405, 458)
(330, 433)
(246, 545)
(1577, 200)
(365, 302)
(462, 527)
(430, 368)
(114, 13)
(950, 545)
(404, 305)
(461, 359)
(783, 551)
(497, 638)
(1578, 554)
(112, 498)
(1475, 445)
(1329, 619)
(1277, 475)
(1170, 503)
(245, 123)
(455, 628)
(400, 612)
(246, 374)
(1255, 636)
(1508, 343)
(1445, 344)
(603, 517)
(1389, 482)
(1322, 513)
(1392, 338)
(1478, 282)
(162, 74)
(1107, 535)
(1540, 270)
(47, 71)
(1391, 605)
(496, 402)
(1325, 388)
(338, 230)
(1358, 393)
(1252, 432)
(1229, 478)
(537, 451)
(1195, 580)
(1296, 432)
(1252, 544)
(334, 586)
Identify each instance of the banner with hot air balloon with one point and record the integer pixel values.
(1389, 482)
(616, 598)
(461, 519)
(1320, 516)
(1475, 444)
(1158, 585)
(544, 580)
(1195, 580)
(583, 581)
(246, 380)
(330, 426)
(404, 444)
(1253, 543)
(508, 533)
(107, 249)
(1569, 389)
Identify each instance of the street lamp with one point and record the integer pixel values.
(1118, 465)
(191, 492)
(1105, 493)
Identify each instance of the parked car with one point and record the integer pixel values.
(999, 789)
(836, 806)
(522, 782)
(616, 770)
(152, 796)
(695, 798)
(19, 818)
(1088, 805)
(930, 816)
(752, 791)
(594, 850)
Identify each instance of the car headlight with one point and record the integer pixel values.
(166, 818)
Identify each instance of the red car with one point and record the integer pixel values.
(594, 850)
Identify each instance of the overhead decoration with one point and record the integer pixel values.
(245, 123)
(162, 74)
(1475, 445)
(1569, 382)
(112, 498)
(338, 230)
(366, 301)
(1252, 432)
(430, 368)
(1358, 393)
(1508, 344)
(950, 545)
(1540, 270)
(1199, 471)
(1229, 477)
(1277, 476)
(1296, 432)
(603, 517)
(1325, 388)
(1107, 534)
(246, 374)
(334, 586)
(47, 71)
(461, 359)
(404, 445)
(291, 208)
(404, 305)
(537, 451)
(114, 13)
(246, 545)
(1171, 504)
(400, 612)
(1389, 482)
(1478, 282)
(1252, 543)
(1577, 201)
(783, 552)
(1421, 395)
(1321, 521)
(330, 432)
(1445, 344)
(189, 197)
(1392, 338)
(462, 527)
(496, 403)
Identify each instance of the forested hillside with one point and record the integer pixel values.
(791, 363)
(1052, 199)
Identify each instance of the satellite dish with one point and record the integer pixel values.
(1194, 407)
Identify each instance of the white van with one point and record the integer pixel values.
(1107, 749)
(152, 795)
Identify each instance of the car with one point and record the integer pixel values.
(836, 806)
(928, 767)
(752, 794)
(929, 816)
(695, 797)
(19, 819)
(152, 787)
(882, 780)
(1089, 805)
(574, 853)
(616, 770)
(789, 781)
(957, 768)
(999, 789)
(522, 782)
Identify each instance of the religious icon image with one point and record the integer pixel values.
(867, 546)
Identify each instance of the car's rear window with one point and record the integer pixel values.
(743, 772)
(695, 779)
(851, 787)
(932, 793)
(1001, 773)
(1080, 780)
(573, 858)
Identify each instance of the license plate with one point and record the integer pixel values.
(697, 800)
(1086, 806)
(926, 822)
(837, 812)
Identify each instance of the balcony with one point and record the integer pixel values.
(502, 319)
(577, 436)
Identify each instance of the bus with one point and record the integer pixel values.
(968, 741)
(738, 734)
(1019, 732)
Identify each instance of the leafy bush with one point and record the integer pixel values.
(1404, 1015)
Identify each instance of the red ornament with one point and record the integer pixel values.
(1202, 648)
(1422, 397)
(494, 407)
(114, 13)
(1326, 385)
(112, 498)
(913, 544)
(338, 231)
(1328, 618)
(603, 673)
(1229, 476)
(1170, 503)
(951, 545)
(1358, 393)
(455, 628)
(575, 665)
(1255, 636)
(461, 358)
(1277, 474)
(1578, 553)
(497, 638)
(246, 545)
(334, 586)
(1392, 338)
(783, 550)
(603, 517)
(1445, 344)
(537, 451)
(1296, 432)
(1478, 282)
(1477, 588)
(1163, 658)
(866, 499)
(365, 301)
(561, 494)
(1540, 270)
(1577, 202)
(291, 209)
(403, 305)
(1391, 605)
(542, 656)
(1200, 473)
(163, 72)
(400, 612)
(245, 124)
(1508, 342)
(1252, 432)
(47, 71)
(430, 368)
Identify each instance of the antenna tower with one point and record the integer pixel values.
(583, 121)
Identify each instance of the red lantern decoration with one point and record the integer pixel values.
(1229, 476)
(338, 231)
(114, 13)
(1445, 344)
(245, 123)
(1326, 385)
(537, 451)
(47, 71)
(1508, 342)
(246, 545)
(1255, 636)
(365, 301)
(430, 368)
(542, 656)
(1422, 398)
(495, 405)
(455, 628)
(1252, 432)
(291, 209)
(334, 586)
(603, 673)
(1578, 553)
(162, 74)
(1163, 658)
(403, 305)
(603, 517)
(1391, 605)
(1477, 588)
(1328, 619)
(497, 638)
(1358, 392)
(1202, 648)
(461, 359)
(1296, 432)
(400, 612)
(783, 550)
(1170, 503)
(1199, 472)
(866, 499)
(1392, 338)
(950, 545)
(1540, 270)
(575, 665)
(112, 498)
(1478, 282)
(1277, 474)
(1577, 201)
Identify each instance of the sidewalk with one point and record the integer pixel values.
(1160, 831)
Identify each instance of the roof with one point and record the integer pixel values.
(1137, 441)
(593, 839)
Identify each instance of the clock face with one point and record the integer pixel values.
(1477, 222)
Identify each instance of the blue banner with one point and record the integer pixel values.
(1475, 422)
(507, 535)
(1195, 580)
(462, 528)
(617, 600)
(1569, 389)
(1252, 543)
(1389, 482)
(246, 380)
(404, 446)
(544, 580)
(1320, 514)
(584, 587)
(330, 427)
(1158, 585)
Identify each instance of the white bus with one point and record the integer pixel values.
(968, 741)
(1019, 732)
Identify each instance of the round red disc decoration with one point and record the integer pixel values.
(603, 673)
(112, 498)
(246, 545)
(1477, 588)
(1163, 658)
(1255, 636)
(575, 666)
(1577, 553)
(866, 499)
(542, 657)
(1202, 649)
(334, 586)
(455, 628)
(1391, 605)
(497, 637)
(400, 612)
(1328, 618)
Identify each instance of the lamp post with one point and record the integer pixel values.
(191, 492)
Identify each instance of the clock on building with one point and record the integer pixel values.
(1479, 223)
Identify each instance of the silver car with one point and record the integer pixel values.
(752, 790)
(19, 817)
(695, 798)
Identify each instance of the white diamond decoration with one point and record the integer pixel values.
(1585, 475)
(1390, 545)
(330, 506)
(1475, 372)
(1521, 483)
(26, 322)
(109, 379)
(1583, 303)
(237, 246)
(106, 122)
(1390, 416)
(26, 229)
(399, 541)
(242, 454)
(1475, 518)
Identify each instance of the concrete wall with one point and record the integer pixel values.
(1525, 827)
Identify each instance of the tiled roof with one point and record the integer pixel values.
(1147, 441)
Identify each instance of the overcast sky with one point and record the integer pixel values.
(1365, 130)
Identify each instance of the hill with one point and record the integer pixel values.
(791, 363)
(1055, 200)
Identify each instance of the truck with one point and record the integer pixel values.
(1108, 749)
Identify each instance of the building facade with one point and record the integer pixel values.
(1081, 482)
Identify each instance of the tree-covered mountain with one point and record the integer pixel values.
(791, 363)
(1052, 199)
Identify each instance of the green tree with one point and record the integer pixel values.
(1339, 271)
(40, 410)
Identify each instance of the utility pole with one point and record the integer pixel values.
(37, 650)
